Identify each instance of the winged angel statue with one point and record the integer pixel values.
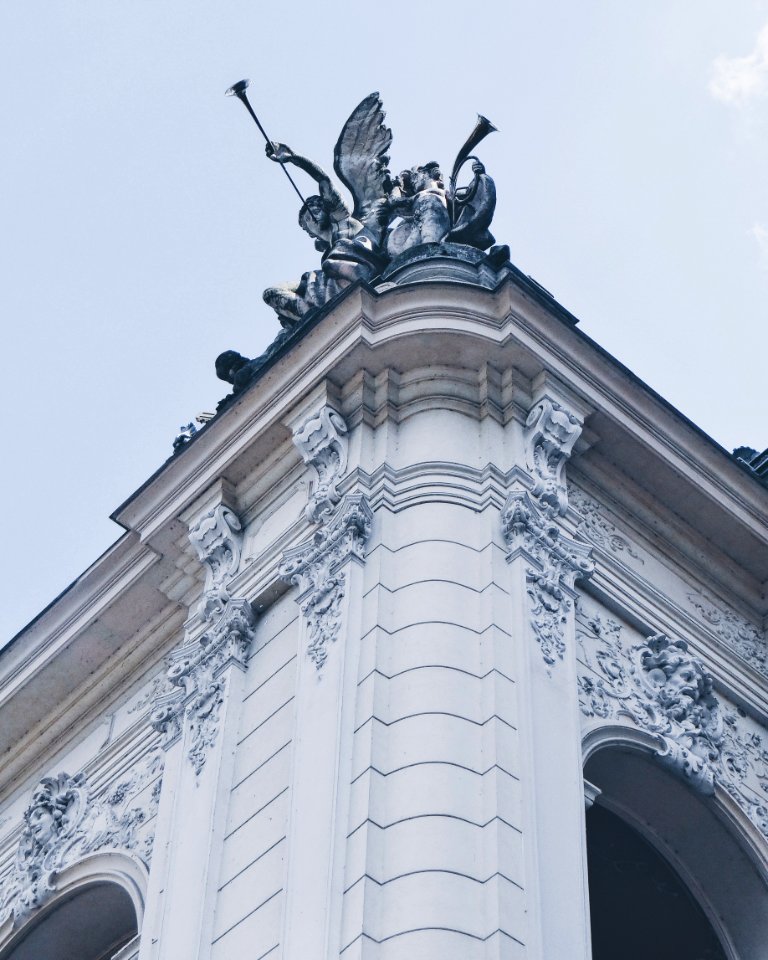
(350, 241)
(389, 215)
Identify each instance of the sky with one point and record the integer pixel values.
(141, 221)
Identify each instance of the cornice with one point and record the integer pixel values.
(446, 323)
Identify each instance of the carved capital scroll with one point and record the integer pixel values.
(322, 442)
(314, 567)
(217, 537)
(550, 434)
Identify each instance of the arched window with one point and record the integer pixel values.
(640, 906)
(673, 874)
(93, 922)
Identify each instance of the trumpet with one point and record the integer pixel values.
(238, 90)
(482, 128)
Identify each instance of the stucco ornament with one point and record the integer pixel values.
(195, 683)
(550, 434)
(314, 567)
(65, 821)
(322, 442)
(217, 538)
(555, 562)
(659, 686)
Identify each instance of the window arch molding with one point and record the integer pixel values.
(113, 867)
(715, 849)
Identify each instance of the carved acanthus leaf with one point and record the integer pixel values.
(314, 567)
(64, 821)
(659, 686)
(322, 442)
(555, 563)
(550, 434)
(194, 686)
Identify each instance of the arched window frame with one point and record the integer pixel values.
(735, 825)
(109, 866)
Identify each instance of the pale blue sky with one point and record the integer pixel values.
(140, 220)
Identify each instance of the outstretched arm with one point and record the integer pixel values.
(280, 153)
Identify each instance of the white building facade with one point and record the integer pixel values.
(374, 646)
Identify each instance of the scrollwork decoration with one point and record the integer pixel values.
(64, 821)
(555, 562)
(313, 567)
(659, 686)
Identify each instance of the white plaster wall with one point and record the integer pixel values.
(434, 856)
(251, 881)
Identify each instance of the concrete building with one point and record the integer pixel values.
(444, 622)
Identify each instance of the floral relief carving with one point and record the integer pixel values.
(193, 690)
(555, 562)
(550, 434)
(596, 527)
(322, 442)
(735, 631)
(659, 686)
(64, 821)
(314, 567)
(195, 687)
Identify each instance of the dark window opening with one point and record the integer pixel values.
(640, 908)
(92, 924)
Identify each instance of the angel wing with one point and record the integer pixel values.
(360, 156)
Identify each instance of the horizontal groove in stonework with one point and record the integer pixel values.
(267, 679)
(256, 813)
(258, 648)
(251, 863)
(249, 914)
(262, 764)
(425, 816)
(498, 875)
(433, 623)
(405, 933)
(436, 713)
(271, 950)
(265, 720)
(393, 591)
(435, 763)
(434, 492)
(434, 666)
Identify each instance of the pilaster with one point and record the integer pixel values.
(544, 564)
(197, 714)
(327, 570)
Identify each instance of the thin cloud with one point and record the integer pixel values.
(738, 80)
(760, 232)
